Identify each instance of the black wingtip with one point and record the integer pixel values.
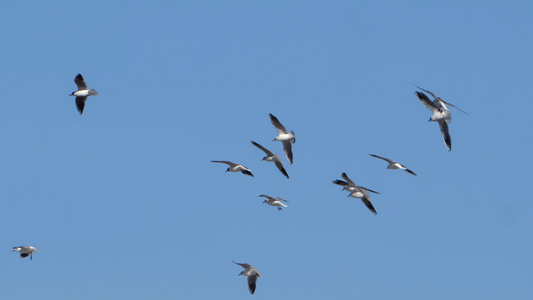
(410, 172)
(245, 172)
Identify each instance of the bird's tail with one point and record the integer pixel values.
(93, 92)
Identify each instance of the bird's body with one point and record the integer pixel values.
(233, 167)
(82, 93)
(394, 165)
(273, 158)
(274, 201)
(286, 137)
(252, 274)
(25, 251)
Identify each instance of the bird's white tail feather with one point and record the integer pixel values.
(93, 92)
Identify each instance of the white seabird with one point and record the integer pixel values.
(393, 164)
(287, 138)
(357, 191)
(441, 114)
(233, 167)
(274, 201)
(252, 274)
(25, 251)
(272, 157)
(82, 93)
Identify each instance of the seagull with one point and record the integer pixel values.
(441, 114)
(274, 201)
(272, 157)
(393, 164)
(233, 167)
(287, 138)
(82, 93)
(25, 251)
(252, 274)
(357, 191)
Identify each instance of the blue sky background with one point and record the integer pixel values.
(124, 203)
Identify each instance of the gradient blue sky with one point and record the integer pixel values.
(124, 203)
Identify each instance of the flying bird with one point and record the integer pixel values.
(357, 191)
(82, 93)
(272, 157)
(393, 164)
(233, 167)
(287, 138)
(441, 114)
(274, 201)
(252, 274)
(25, 251)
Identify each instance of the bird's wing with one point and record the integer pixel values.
(287, 148)
(369, 190)
(277, 124)
(426, 91)
(268, 152)
(252, 279)
(428, 103)
(443, 124)
(348, 180)
(369, 205)
(385, 159)
(279, 164)
(78, 80)
(464, 112)
(247, 172)
(80, 103)
(437, 98)
(340, 182)
(281, 199)
(245, 266)
(267, 196)
(225, 162)
(409, 171)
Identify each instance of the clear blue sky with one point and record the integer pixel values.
(124, 203)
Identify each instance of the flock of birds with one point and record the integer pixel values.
(441, 115)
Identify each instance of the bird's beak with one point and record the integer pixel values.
(37, 250)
